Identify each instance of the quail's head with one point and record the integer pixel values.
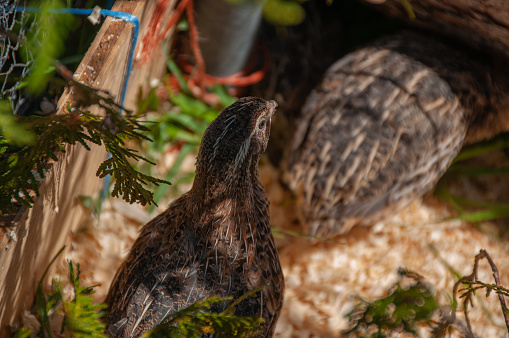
(235, 140)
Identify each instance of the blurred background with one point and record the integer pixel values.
(391, 273)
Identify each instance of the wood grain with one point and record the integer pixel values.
(480, 24)
(37, 234)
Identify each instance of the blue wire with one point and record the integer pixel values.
(104, 12)
(120, 15)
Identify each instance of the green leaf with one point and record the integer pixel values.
(225, 98)
(174, 69)
(499, 142)
(151, 102)
(23, 333)
(161, 190)
(190, 105)
(46, 43)
(467, 170)
(187, 137)
(12, 129)
(283, 12)
(82, 317)
(409, 9)
(94, 205)
(187, 121)
(86, 201)
(41, 305)
(44, 305)
(478, 216)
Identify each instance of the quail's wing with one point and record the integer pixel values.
(272, 294)
(150, 285)
(381, 128)
(267, 273)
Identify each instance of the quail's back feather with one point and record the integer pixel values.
(381, 128)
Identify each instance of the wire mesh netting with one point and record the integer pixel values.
(15, 61)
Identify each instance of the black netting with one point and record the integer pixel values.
(15, 61)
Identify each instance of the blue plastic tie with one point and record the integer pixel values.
(104, 12)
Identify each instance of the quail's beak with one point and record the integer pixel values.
(272, 107)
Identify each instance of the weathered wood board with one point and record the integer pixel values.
(480, 24)
(37, 234)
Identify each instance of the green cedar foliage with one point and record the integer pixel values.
(27, 144)
(194, 321)
(22, 167)
(403, 309)
(82, 318)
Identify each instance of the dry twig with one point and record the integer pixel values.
(471, 279)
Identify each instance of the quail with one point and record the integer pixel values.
(215, 240)
(383, 126)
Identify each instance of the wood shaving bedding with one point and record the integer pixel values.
(322, 278)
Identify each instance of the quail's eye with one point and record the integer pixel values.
(262, 124)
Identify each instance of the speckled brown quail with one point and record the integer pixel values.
(214, 240)
(383, 126)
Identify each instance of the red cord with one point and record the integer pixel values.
(150, 41)
(193, 32)
(197, 79)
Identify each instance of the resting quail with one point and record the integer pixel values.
(214, 240)
(383, 126)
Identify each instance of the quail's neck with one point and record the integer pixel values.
(226, 181)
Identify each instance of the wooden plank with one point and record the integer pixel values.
(480, 24)
(37, 234)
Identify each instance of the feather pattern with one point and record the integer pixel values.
(381, 128)
(214, 240)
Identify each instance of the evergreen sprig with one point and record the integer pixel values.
(194, 321)
(82, 317)
(22, 167)
(402, 310)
